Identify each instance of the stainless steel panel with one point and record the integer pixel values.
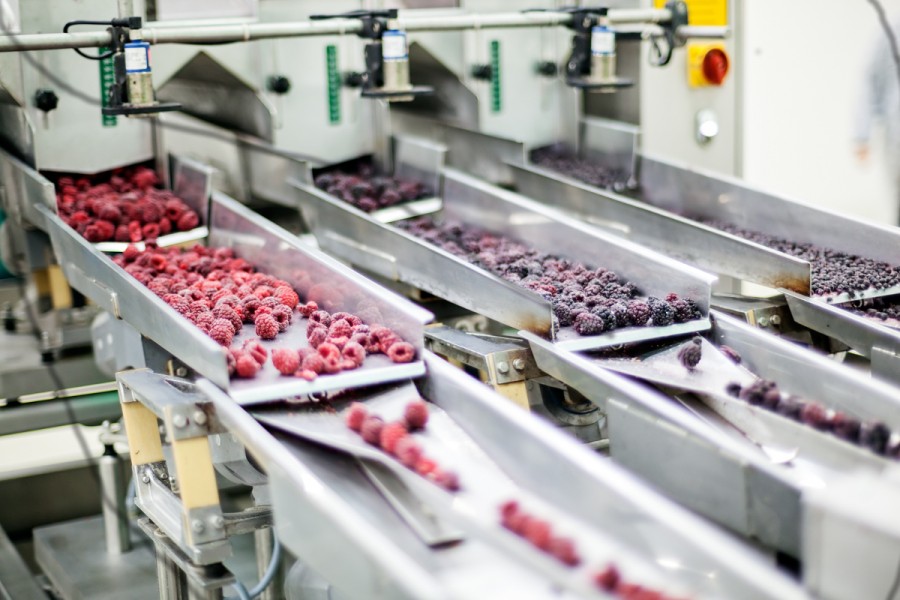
(485, 156)
(420, 160)
(23, 189)
(612, 143)
(678, 237)
(270, 169)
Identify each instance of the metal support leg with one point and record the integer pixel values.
(263, 539)
(112, 500)
(170, 577)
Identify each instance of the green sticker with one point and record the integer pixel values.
(107, 79)
(496, 98)
(334, 85)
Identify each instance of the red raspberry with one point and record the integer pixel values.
(416, 415)
(538, 532)
(266, 327)
(314, 363)
(249, 304)
(150, 231)
(223, 311)
(408, 451)
(134, 230)
(321, 316)
(308, 309)
(340, 328)
(178, 303)
(257, 351)
(231, 361)
(327, 351)
(110, 212)
(564, 550)
(122, 234)
(355, 415)
(608, 579)
(384, 337)
(332, 365)
(283, 316)
(340, 342)
(287, 296)
(508, 508)
(165, 226)
(246, 366)
(425, 466)
(354, 352)
(187, 221)
(371, 429)
(222, 331)
(349, 317)
(149, 212)
(158, 262)
(174, 209)
(448, 480)
(401, 352)
(286, 360)
(307, 374)
(391, 434)
(130, 253)
(204, 321)
(80, 216)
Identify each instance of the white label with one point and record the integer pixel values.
(137, 58)
(603, 41)
(393, 45)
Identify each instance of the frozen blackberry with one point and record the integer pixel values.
(683, 311)
(563, 312)
(875, 436)
(638, 312)
(731, 353)
(620, 311)
(661, 312)
(605, 315)
(588, 323)
(689, 356)
(733, 389)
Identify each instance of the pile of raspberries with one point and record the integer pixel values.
(367, 191)
(126, 208)
(397, 440)
(593, 301)
(873, 435)
(539, 533)
(219, 292)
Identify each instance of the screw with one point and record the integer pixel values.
(217, 521)
(763, 321)
(200, 417)
(503, 367)
(179, 421)
(180, 372)
(198, 526)
(145, 478)
(776, 320)
(519, 364)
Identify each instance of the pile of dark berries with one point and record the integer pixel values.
(592, 301)
(833, 272)
(368, 191)
(561, 159)
(882, 309)
(873, 435)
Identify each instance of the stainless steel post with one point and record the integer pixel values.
(112, 501)
(169, 576)
(263, 539)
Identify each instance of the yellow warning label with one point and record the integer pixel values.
(703, 12)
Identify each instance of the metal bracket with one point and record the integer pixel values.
(504, 360)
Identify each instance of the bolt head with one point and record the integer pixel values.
(199, 417)
(763, 322)
(181, 372)
(775, 320)
(503, 367)
(179, 421)
(519, 364)
(217, 521)
(197, 526)
(145, 478)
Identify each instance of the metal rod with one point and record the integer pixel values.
(112, 495)
(263, 540)
(259, 31)
(169, 576)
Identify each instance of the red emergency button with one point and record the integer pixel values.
(715, 66)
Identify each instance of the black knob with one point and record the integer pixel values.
(46, 100)
(547, 68)
(353, 79)
(484, 72)
(279, 84)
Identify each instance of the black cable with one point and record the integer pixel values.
(78, 50)
(888, 33)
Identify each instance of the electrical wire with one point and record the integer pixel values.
(78, 50)
(267, 578)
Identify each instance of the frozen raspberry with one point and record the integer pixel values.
(203, 320)
(731, 353)
(845, 427)
(314, 363)
(415, 415)
(354, 321)
(287, 296)
(307, 374)
(178, 303)
(339, 328)
(165, 226)
(408, 452)
(448, 480)
(150, 231)
(391, 434)
(283, 316)
(246, 366)
(355, 415)
(332, 365)
(187, 221)
(425, 466)
(401, 352)
(316, 336)
(371, 429)
(321, 316)
(231, 362)
(353, 352)
(222, 331)
(122, 234)
(308, 309)
(814, 414)
(110, 212)
(689, 356)
(223, 311)
(563, 549)
(266, 327)
(286, 360)
(608, 579)
(538, 532)
(508, 508)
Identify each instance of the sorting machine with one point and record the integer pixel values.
(355, 523)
